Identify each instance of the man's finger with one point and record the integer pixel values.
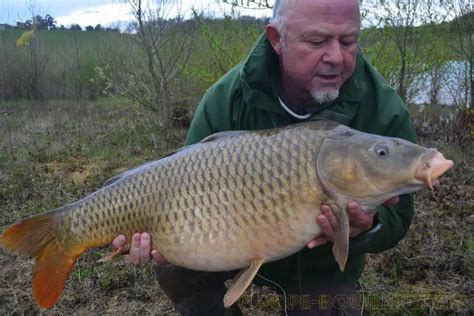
(327, 212)
(317, 242)
(392, 201)
(144, 248)
(135, 249)
(158, 257)
(360, 221)
(326, 227)
(119, 241)
(357, 215)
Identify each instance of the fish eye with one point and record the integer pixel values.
(381, 150)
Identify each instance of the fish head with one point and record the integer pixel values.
(370, 169)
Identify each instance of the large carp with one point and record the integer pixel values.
(233, 201)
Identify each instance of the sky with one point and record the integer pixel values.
(117, 12)
(104, 12)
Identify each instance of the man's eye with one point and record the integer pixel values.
(349, 42)
(317, 43)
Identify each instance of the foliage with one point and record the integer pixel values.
(226, 51)
(164, 45)
(57, 64)
(251, 3)
(463, 29)
(39, 22)
(406, 30)
(25, 38)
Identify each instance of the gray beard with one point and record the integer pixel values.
(324, 96)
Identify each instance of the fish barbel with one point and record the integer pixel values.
(233, 201)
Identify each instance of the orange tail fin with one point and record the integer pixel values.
(34, 237)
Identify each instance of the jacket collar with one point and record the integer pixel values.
(260, 85)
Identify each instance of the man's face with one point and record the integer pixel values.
(318, 53)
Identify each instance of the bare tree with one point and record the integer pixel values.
(166, 42)
(256, 4)
(463, 32)
(406, 25)
(32, 61)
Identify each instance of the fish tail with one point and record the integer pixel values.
(35, 237)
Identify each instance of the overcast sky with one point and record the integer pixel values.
(93, 12)
(112, 12)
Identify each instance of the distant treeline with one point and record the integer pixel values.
(174, 61)
(49, 23)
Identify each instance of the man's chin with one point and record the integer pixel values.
(324, 96)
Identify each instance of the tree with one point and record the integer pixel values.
(27, 25)
(75, 27)
(406, 27)
(262, 4)
(40, 23)
(462, 28)
(32, 61)
(165, 42)
(98, 27)
(89, 28)
(112, 29)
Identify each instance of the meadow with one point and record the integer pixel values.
(67, 129)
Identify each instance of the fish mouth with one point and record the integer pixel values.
(433, 167)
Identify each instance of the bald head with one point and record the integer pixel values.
(282, 9)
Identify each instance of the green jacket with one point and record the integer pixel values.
(246, 98)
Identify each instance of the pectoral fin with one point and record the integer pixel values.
(241, 282)
(340, 249)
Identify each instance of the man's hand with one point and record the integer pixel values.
(140, 248)
(359, 222)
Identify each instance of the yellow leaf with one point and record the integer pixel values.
(25, 38)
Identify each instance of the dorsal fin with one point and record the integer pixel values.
(113, 179)
(220, 135)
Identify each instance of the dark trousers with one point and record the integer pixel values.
(197, 293)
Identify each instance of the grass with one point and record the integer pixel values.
(54, 152)
(66, 64)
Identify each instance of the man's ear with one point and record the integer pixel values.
(274, 37)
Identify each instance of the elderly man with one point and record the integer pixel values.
(306, 66)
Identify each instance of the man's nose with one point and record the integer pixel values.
(333, 53)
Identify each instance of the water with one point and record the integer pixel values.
(453, 85)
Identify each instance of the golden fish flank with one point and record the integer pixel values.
(235, 200)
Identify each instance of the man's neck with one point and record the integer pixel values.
(299, 106)
(294, 99)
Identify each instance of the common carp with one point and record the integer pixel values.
(235, 200)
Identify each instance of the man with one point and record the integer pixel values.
(306, 66)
